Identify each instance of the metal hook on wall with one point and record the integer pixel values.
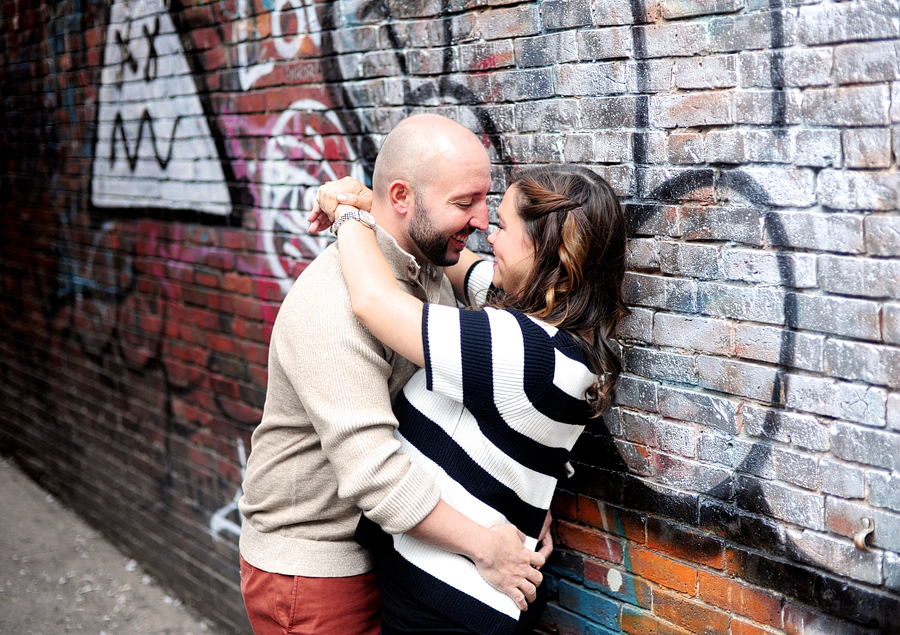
(859, 539)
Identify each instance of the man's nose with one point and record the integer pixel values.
(479, 219)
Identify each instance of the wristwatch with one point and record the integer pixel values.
(363, 217)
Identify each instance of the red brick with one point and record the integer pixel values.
(612, 519)
(740, 627)
(590, 541)
(662, 570)
(732, 596)
(693, 616)
(685, 544)
(564, 505)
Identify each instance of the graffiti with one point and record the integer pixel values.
(119, 130)
(146, 82)
(221, 520)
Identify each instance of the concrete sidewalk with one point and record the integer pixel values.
(58, 575)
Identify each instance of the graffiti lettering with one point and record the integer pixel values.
(132, 158)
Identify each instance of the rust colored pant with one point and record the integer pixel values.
(283, 604)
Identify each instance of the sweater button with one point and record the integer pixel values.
(411, 269)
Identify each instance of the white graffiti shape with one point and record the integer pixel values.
(307, 25)
(306, 148)
(154, 146)
(220, 522)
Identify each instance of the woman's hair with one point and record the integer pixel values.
(577, 227)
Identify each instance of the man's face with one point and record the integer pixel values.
(449, 209)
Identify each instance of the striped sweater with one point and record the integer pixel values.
(492, 419)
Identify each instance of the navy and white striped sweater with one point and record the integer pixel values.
(492, 419)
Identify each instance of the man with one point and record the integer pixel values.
(325, 449)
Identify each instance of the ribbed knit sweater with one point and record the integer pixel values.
(325, 448)
(492, 419)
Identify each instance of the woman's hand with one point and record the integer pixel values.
(510, 567)
(346, 191)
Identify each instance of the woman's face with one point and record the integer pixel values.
(512, 246)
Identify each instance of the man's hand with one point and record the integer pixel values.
(346, 191)
(510, 567)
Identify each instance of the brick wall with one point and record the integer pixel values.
(157, 157)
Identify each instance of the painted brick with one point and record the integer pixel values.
(602, 44)
(676, 438)
(685, 544)
(829, 23)
(729, 595)
(753, 458)
(688, 475)
(811, 230)
(637, 458)
(618, 584)
(477, 56)
(781, 501)
(841, 479)
(860, 404)
(761, 383)
(839, 316)
(653, 75)
(724, 146)
(891, 323)
(546, 116)
(796, 468)
(755, 304)
(590, 78)
(800, 621)
(672, 39)
(698, 407)
(694, 616)
(883, 235)
(638, 325)
(779, 346)
(818, 148)
(705, 72)
(766, 107)
(737, 224)
(610, 112)
(752, 30)
(660, 292)
(693, 333)
(865, 446)
(884, 489)
(545, 50)
(664, 571)
(686, 148)
(768, 146)
(873, 278)
(843, 518)
(879, 365)
(689, 110)
(563, 14)
(515, 86)
(672, 10)
(892, 570)
(713, 447)
(750, 265)
(599, 608)
(652, 220)
(867, 147)
(893, 411)
(642, 253)
(635, 392)
(776, 186)
(613, 12)
(590, 541)
(695, 261)
(612, 147)
(564, 621)
(510, 22)
(848, 106)
(612, 519)
(841, 555)
(639, 428)
(867, 62)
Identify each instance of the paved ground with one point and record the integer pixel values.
(59, 576)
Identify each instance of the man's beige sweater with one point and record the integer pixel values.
(325, 449)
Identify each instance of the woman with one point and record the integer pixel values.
(504, 392)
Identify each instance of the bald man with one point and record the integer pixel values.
(325, 450)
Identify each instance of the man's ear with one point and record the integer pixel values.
(401, 196)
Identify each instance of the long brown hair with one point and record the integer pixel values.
(577, 226)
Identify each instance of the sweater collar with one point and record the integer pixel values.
(402, 263)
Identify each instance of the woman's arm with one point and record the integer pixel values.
(392, 315)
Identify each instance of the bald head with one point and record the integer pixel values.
(419, 148)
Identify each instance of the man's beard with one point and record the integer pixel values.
(431, 244)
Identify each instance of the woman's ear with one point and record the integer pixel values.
(400, 194)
